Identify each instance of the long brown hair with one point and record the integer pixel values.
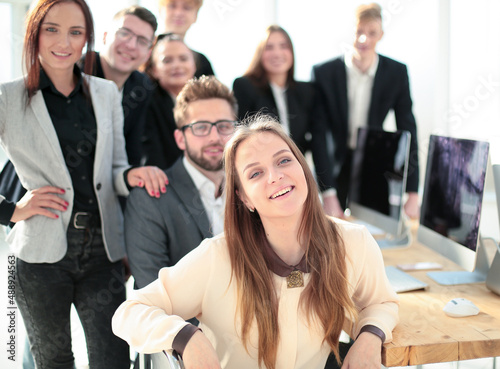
(34, 21)
(256, 71)
(326, 296)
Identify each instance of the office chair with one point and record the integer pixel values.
(167, 360)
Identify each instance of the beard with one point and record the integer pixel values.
(202, 162)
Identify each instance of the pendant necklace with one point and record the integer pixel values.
(295, 279)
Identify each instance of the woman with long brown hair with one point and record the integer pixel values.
(63, 131)
(278, 286)
(269, 86)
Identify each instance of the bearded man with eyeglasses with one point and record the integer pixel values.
(160, 231)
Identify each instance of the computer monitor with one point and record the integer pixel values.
(451, 206)
(493, 277)
(378, 183)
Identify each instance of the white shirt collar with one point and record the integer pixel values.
(198, 177)
(214, 207)
(351, 67)
(279, 94)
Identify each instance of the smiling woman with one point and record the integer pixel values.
(171, 65)
(62, 37)
(280, 281)
(272, 181)
(269, 86)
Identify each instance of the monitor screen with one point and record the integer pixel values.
(454, 186)
(378, 178)
(452, 199)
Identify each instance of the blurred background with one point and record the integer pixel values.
(451, 48)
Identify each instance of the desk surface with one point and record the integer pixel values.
(425, 334)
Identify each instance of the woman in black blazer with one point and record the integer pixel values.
(268, 86)
(171, 65)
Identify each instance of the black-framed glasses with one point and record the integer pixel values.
(203, 128)
(124, 34)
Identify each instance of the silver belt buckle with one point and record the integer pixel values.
(75, 220)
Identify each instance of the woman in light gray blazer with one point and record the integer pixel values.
(63, 131)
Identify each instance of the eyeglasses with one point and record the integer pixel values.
(202, 128)
(124, 34)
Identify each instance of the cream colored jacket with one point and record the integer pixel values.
(199, 285)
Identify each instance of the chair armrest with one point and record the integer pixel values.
(167, 360)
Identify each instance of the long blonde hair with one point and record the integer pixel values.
(326, 297)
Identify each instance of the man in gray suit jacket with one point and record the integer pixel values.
(160, 231)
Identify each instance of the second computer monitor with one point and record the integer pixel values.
(378, 179)
(452, 203)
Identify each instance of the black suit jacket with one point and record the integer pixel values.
(137, 92)
(391, 90)
(300, 103)
(160, 148)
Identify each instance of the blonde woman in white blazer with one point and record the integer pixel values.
(63, 131)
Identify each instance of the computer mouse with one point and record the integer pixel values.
(460, 307)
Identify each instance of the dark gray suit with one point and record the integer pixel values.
(160, 231)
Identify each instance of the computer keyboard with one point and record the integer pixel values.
(402, 281)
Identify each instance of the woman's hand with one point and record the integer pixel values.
(200, 354)
(38, 202)
(331, 206)
(365, 353)
(411, 206)
(152, 178)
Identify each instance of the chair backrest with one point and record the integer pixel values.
(167, 360)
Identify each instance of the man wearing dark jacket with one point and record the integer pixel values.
(127, 45)
(358, 90)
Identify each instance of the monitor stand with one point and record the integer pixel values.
(479, 274)
(393, 242)
(493, 277)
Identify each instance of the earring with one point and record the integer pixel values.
(251, 210)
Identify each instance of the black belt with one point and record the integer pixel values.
(84, 220)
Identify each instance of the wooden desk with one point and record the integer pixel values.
(425, 334)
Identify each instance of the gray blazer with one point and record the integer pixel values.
(30, 141)
(160, 231)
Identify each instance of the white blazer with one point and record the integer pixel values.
(30, 141)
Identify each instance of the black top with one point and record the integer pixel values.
(203, 66)
(8, 205)
(160, 148)
(137, 92)
(76, 128)
(300, 97)
(12, 190)
(390, 91)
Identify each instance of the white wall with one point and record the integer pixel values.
(227, 32)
